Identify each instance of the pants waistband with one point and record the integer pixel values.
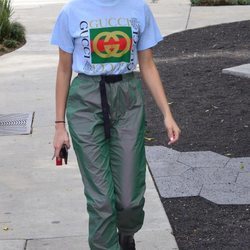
(102, 79)
(108, 78)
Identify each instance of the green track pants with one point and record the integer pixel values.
(112, 170)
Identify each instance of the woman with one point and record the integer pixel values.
(103, 40)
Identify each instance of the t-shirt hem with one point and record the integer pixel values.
(64, 48)
(148, 46)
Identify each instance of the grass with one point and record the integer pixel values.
(12, 34)
(220, 2)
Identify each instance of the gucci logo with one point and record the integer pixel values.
(115, 44)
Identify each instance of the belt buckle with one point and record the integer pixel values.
(112, 78)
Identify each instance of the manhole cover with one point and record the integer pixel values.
(16, 124)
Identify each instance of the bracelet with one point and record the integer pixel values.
(59, 121)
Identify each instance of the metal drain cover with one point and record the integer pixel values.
(16, 124)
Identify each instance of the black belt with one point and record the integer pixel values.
(104, 101)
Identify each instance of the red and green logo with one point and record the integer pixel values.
(111, 45)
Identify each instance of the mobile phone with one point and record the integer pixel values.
(63, 155)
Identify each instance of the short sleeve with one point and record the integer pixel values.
(61, 34)
(151, 35)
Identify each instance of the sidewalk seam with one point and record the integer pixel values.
(159, 197)
(25, 245)
(189, 15)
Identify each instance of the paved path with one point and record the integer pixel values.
(213, 176)
(35, 3)
(210, 175)
(241, 70)
(43, 207)
(177, 15)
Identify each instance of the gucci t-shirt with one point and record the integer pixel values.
(105, 35)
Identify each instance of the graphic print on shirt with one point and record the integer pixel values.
(109, 47)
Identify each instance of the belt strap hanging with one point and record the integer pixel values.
(104, 100)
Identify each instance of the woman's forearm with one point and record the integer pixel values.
(153, 82)
(62, 88)
(64, 73)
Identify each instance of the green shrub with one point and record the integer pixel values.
(10, 44)
(244, 2)
(17, 32)
(6, 6)
(6, 12)
(220, 2)
(12, 34)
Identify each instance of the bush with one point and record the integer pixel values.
(220, 2)
(17, 32)
(10, 44)
(12, 34)
(6, 12)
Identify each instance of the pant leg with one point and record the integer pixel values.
(92, 150)
(127, 153)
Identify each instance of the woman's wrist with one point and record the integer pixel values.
(167, 114)
(60, 125)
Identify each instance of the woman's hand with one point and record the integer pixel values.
(61, 137)
(152, 80)
(172, 129)
(64, 73)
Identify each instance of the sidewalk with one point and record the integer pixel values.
(43, 207)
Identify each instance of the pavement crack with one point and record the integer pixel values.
(25, 245)
(243, 54)
(237, 177)
(189, 14)
(199, 194)
(58, 237)
(185, 164)
(227, 162)
(186, 170)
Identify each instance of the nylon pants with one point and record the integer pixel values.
(112, 170)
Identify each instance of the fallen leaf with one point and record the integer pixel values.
(242, 166)
(149, 139)
(215, 107)
(5, 228)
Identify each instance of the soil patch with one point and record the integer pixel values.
(4, 50)
(212, 110)
(200, 224)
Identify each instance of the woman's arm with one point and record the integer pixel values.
(151, 78)
(64, 73)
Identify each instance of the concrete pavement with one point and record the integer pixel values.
(178, 15)
(43, 207)
(207, 174)
(241, 70)
(215, 177)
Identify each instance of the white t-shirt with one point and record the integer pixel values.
(105, 35)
